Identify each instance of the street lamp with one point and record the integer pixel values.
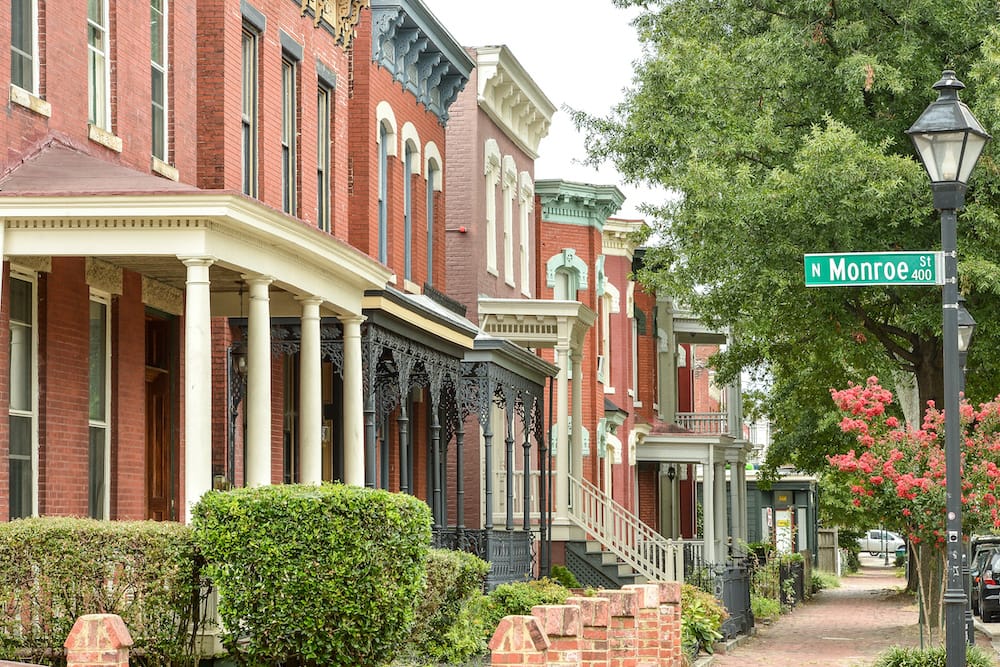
(949, 140)
(966, 327)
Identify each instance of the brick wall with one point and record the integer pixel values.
(128, 405)
(638, 626)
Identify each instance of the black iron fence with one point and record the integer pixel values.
(510, 553)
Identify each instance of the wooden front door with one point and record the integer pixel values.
(159, 423)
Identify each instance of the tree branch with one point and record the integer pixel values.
(887, 334)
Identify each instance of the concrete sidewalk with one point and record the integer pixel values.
(840, 627)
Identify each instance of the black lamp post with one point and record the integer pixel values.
(966, 327)
(949, 140)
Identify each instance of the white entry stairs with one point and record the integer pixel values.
(624, 535)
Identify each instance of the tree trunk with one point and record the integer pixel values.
(929, 373)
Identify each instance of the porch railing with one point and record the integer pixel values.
(621, 532)
(703, 422)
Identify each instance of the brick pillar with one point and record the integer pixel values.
(561, 625)
(519, 642)
(595, 617)
(98, 640)
(622, 633)
(671, 653)
(647, 624)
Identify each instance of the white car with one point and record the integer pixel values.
(878, 542)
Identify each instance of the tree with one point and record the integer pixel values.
(896, 473)
(781, 126)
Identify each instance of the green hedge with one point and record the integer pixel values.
(445, 629)
(314, 575)
(56, 569)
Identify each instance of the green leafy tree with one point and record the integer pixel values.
(781, 126)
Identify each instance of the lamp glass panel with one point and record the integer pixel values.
(941, 154)
(974, 146)
(964, 337)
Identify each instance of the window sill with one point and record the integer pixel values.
(411, 287)
(104, 138)
(510, 283)
(29, 101)
(492, 270)
(609, 390)
(165, 170)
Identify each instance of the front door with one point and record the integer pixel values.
(159, 424)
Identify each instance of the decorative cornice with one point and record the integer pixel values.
(408, 41)
(338, 16)
(162, 297)
(512, 99)
(619, 236)
(580, 204)
(33, 263)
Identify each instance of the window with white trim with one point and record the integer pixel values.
(99, 459)
(383, 193)
(289, 136)
(509, 192)
(433, 177)
(98, 70)
(24, 45)
(408, 157)
(158, 66)
(23, 408)
(526, 209)
(248, 110)
(324, 95)
(491, 171)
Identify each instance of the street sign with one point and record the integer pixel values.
(858, 269)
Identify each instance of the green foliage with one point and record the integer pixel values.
(440, 631)
(563, 576)
(822, 580)
(782, 127)
(56, 569)
(931, 657)
(701, 617)
(765, 609)
(517, 599)
(315, 575)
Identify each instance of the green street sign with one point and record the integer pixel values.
(856, 269)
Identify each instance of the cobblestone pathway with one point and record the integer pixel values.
(840, 627)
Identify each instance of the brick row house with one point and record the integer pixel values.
(249, 242)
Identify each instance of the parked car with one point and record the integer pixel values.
(989, 587)
(983, 547)
(880, 541)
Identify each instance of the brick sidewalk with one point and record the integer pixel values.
(839, 627)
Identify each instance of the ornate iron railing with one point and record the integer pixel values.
(510, 553)
(621, 532)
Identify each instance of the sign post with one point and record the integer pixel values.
(859, 269)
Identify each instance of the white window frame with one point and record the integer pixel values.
(491, 170)
(249, 91)
(104, 421)
(163, 68)
(32, 413)
(99, 92)
(386, 140)
(32, 54)
(509, 192)
(432, 172)
(324, 211)
(289, 135)
(526, 210)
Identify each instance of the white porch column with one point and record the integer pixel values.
(562, 439)
(721, 513)
(576, 464)
(741, 498)
(258, 405)
(354, 437)
(310, 395)
(197, 382)
(708, 505)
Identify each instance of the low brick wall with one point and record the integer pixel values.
(637, 626)
(96, 640)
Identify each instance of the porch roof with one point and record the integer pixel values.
(667, 442)
(61, 202)
(536, 322)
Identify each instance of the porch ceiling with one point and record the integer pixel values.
(536, 323)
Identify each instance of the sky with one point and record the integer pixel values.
(579, 52)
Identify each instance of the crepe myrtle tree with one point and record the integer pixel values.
(896, 474)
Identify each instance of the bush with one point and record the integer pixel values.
(440, 633)
(822, 580)
(57, 569)
(701, 617)
(517, 599)
(314, 575)
(563, 576)
(932, 657)
(764, 609)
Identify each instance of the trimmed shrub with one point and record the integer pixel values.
(701, 617)
(454, 578)
(56, 569)
(564, 576)
(517, 599)
(314, 575)
(931, 657)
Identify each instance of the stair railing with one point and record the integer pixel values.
(620, 531)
